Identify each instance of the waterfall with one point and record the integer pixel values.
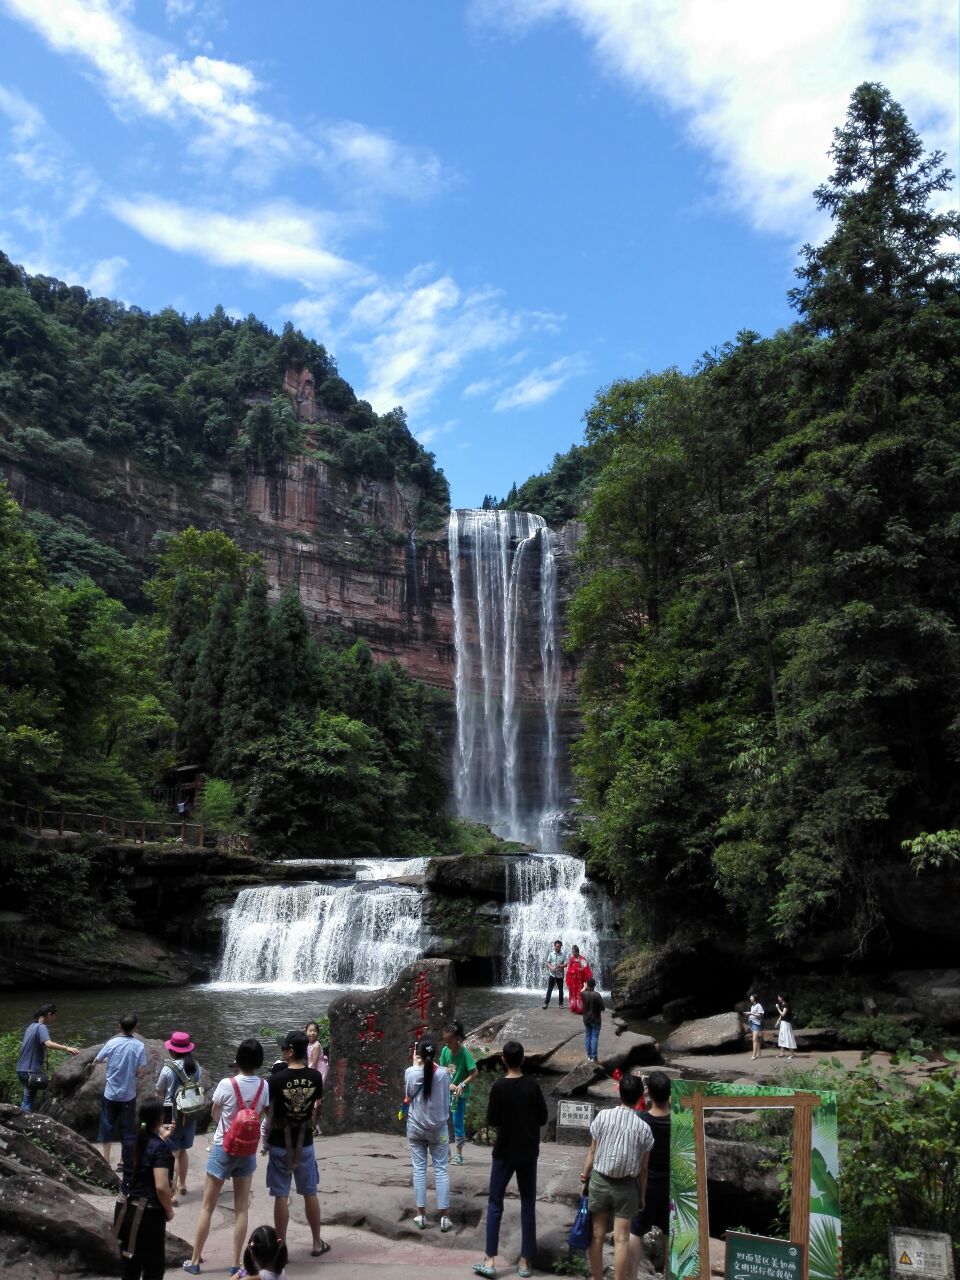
(546, 900)
(326, 935)
(493, 562)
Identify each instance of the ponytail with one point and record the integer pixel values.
(149, 1117)
(427, 1052)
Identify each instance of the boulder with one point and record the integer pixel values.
(541, 1032)
(476, 875)
(629, 1049)
(669, 970)
(680, 1010)
(578, 1080)
(935, 994)
(744, 1166)
(56, 1220)
(722, 1031)
(372, 1034)
(73, 1152)
(76, 1088)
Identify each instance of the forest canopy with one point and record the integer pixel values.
(82, 376)
(770, 602)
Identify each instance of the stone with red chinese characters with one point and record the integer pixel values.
(372, 1034)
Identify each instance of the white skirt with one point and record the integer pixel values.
(786, 1040)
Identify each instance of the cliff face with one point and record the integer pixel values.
(349, 545)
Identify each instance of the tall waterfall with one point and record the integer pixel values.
(494, 557)
(325, 935)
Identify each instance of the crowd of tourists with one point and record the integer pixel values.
(277, 1115)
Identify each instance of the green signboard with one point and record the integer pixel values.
(762, 1258)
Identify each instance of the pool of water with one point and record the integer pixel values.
(218, 1016)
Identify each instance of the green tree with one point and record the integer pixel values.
(199, 562)
(250, 701)
(201, 728)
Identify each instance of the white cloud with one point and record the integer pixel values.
(38, 157)
(215, 101)
(540, 384)
(280, 238)
(762, 85)
(421, 334)
(427, 435)
(103, 279)
(480, 388)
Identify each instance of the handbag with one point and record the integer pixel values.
(581, 1233)
(37, 1079)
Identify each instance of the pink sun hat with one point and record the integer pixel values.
(179, 1042)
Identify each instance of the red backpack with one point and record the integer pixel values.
(242, 1138)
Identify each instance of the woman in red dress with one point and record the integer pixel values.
(578, 971)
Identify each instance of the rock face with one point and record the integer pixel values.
(50, 1222)
(371, 1038)
(722, 1031)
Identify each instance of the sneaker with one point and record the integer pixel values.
(458, 1158)
(192, 1268)
(446, 1224)
(420, 1221)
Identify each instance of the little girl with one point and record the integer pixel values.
(265, 1255)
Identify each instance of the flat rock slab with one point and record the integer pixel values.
(541, 1032)
(703, 1035)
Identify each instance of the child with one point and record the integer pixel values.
(458, 1060)
(265, 1255)
(592, 1004)
(755, 1020)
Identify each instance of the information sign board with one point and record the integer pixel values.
(762, 1258)
(575, 1115)
(926, 1255)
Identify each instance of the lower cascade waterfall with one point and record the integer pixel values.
(327, 935)
(546, 899)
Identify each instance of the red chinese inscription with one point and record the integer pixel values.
(369, 1079)
(371, 1032)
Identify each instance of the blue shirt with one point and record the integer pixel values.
(122, 1054)
(34, 1047)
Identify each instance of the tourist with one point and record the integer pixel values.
(457, 1056)
(755, 1022)
(578, 972)
(427, 1087)
(266, 1255)
(615, 1172)
(126, 1059)
(555, 964)
(180, 1091)
(593, 1007)
(295, 1094)
(656, 1208)
(785, 1036)
(317, 1058)
(145, 1205)
(238, 1103)
(517, 1111)
(33, 1053)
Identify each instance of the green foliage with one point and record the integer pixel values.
(562, 492)
(769, 612)
(83, 376)
(202, 562)
(933, 850)
(219, 806)
(62, 884)
(571, 1263)
(72, 553)
(11, 1090)
(476, 840)
(475, 1115)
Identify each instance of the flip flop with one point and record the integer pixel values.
(318, 1253)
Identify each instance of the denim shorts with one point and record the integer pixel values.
(305, 1173)
(222, 1166)
(183, 1135)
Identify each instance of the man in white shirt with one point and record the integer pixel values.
(555, 964)
(615, 1171)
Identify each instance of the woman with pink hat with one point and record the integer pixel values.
(179, 1088)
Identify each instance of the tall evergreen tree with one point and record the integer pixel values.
(202, 722)
(296, 655)
(250, 699)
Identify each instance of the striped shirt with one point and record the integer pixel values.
(622, 1139)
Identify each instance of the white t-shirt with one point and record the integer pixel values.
(225, 1097)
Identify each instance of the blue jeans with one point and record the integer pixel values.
(28, 1093)
(458, 1114)
(439, 1154)
(501, 1171)
(591, 1040)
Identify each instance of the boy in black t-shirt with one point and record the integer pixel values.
(593, 1008)
(517, 1111)
(295, 1094)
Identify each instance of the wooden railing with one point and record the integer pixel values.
(52, 821)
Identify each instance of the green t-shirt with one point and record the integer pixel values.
(462, 1064)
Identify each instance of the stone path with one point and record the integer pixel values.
(366, 1202)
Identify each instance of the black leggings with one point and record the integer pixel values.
(149, 1255)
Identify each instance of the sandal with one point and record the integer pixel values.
(318, 1253)
(481, 1269)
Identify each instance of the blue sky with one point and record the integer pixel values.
(486, 209)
